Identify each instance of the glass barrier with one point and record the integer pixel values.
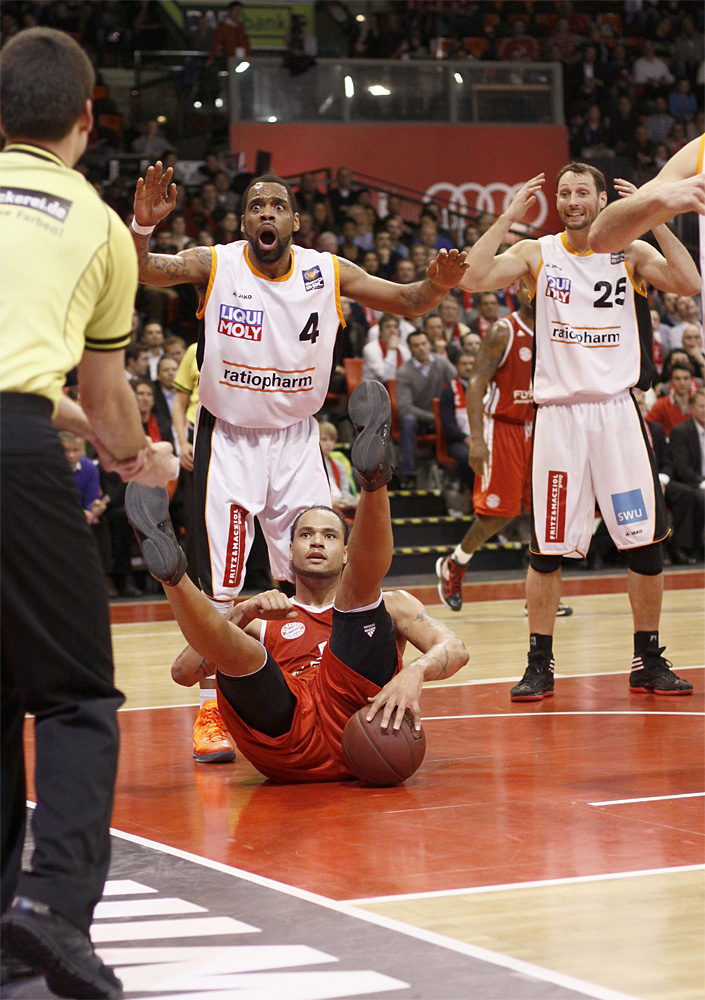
(261, 89)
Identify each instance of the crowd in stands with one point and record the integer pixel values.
(416, 359)
(632, 85)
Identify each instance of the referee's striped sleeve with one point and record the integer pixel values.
(111, 344)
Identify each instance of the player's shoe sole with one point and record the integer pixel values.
(370, 411)
(148, 512)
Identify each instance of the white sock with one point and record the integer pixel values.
(208, 694)
(460, 557)
(222, 606)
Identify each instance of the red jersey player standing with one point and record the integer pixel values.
(501, 427)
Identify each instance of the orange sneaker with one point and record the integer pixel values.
(212, 743)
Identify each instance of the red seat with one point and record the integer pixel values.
(353, 373)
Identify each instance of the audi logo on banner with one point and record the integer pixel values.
(494, 198)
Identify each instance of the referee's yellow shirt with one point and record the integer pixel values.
(68, 272)
(186, 380)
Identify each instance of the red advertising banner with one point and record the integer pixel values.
(466, 166)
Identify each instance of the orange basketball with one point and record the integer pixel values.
(382, 757)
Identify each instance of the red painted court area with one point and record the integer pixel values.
(506, 794)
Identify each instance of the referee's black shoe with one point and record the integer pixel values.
(652, 674)
(62, 953)
(148, 512)
(537, 682)
(370, 411)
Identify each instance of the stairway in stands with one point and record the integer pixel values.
(424, 530)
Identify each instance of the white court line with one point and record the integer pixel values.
(153, 708)
(511, 886)
(162, 634)
(592, 990)
(435, 685)
(483, 620)
(652, 798)
(550, 715)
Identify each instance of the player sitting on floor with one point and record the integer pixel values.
(290, 673)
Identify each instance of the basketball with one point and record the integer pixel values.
(382, 757)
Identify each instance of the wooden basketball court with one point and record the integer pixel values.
(556, 847)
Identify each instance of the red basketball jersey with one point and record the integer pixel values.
(509, 396)
(297, 645)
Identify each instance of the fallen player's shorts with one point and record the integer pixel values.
(326, 696)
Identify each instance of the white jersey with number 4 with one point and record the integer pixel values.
(593, 330)
(269, 341)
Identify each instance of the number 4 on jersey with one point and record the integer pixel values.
(311, 331)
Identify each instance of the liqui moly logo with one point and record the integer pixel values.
(235, 551)
(555, 506)
(245, 324)
(558, 288)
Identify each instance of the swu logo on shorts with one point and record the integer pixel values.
(245, 324)
(558, 288)
(629, 507)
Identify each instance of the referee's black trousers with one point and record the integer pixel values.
(56, 664)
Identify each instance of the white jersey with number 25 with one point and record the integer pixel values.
(593, 330)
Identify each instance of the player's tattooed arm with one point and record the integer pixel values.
(487, 361)
(443, 652)
(187, 267)
(442, 655)
(416, 299)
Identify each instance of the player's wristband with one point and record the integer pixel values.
(142, 230)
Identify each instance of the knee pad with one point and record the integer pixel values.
(544, 564)
(647, 560)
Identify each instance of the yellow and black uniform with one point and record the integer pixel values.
(69, 277)
(69, 272)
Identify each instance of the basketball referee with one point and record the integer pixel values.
(69, 277)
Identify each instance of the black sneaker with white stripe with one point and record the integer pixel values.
(652, 674)
(564, 611)
(537, 682)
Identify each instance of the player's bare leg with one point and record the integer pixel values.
(204, 628)
(543, 595)
(646, 599)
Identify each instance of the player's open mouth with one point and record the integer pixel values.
(267, 237)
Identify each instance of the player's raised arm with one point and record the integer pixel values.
(416, 299)
(486, 270)
(678, 187)
(672, 271)
(155, 197)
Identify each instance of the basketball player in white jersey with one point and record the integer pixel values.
(678, 187)
(271, 313)
(592, 345)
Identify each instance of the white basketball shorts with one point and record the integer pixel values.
(241, 473)
(593, 451)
